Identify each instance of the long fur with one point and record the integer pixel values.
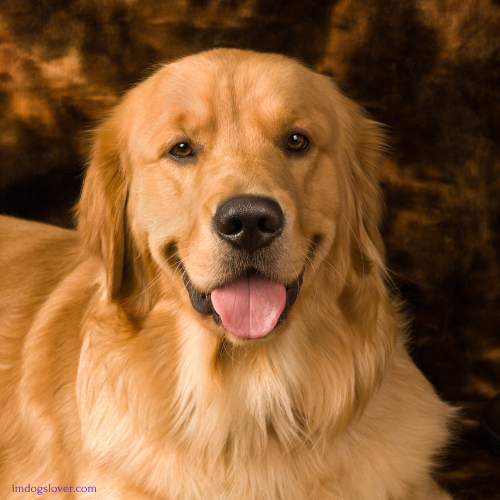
(109, 377)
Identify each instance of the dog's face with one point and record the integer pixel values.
(246, 174)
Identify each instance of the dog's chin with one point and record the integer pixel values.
(202, 303)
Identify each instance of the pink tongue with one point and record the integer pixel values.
(249, 306)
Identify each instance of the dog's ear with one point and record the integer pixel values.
(359, 246)
(363, 148)
(101, 209)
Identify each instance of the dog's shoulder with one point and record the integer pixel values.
(25, 243)
(13, 230)
(34, 259)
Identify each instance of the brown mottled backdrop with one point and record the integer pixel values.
(429, 69)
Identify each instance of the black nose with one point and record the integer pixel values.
(249, 222)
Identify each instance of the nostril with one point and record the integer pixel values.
(232, 226)
(268, 225)
(237, 226)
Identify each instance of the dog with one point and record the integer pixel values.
(221, 325)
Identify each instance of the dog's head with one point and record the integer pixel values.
(243, 183)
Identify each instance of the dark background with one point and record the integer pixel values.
(429, 69)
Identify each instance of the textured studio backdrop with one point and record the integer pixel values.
(428, 69)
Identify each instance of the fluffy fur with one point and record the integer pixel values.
(110, 378)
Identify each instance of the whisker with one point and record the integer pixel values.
(339, 275)
(326, 260)
(157, 277)
(178, 275)
(233, 360)
(315, 275)
(357, 241)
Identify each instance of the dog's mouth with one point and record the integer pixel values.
(249, 306)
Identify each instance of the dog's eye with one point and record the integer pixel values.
(297, 142)
(182, 150)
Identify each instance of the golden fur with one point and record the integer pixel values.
(110, 378)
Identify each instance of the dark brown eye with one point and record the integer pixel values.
(182, 150)
(297, 142)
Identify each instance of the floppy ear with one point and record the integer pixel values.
(363, 148)
(359, 245)
(101, 209)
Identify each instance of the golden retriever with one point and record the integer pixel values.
(219, 327)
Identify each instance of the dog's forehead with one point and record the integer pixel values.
(222, 82)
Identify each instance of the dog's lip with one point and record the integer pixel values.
(202, 302)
